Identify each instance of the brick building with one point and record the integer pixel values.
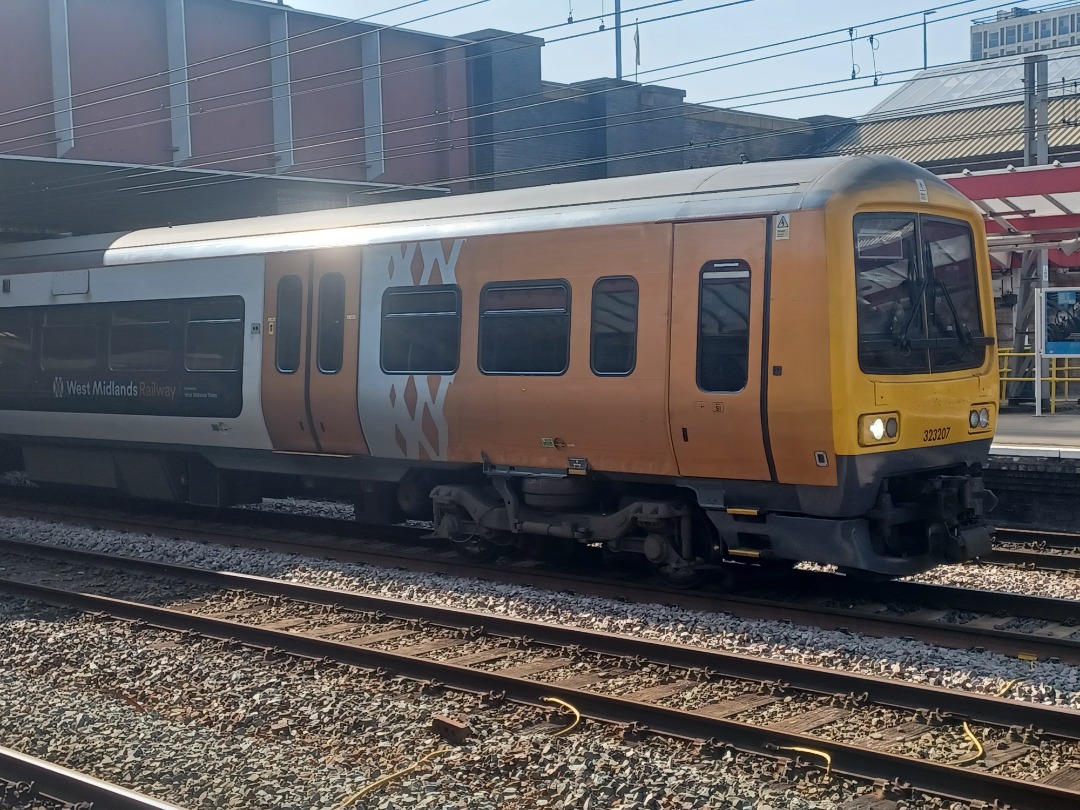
(130, 113)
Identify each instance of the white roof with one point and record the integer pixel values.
(979, 84)
(716, 191)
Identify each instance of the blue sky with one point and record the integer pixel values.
(717, 31)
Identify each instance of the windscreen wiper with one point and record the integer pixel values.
(901, 341)
(961, 327)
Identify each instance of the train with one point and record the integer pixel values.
(756, 364)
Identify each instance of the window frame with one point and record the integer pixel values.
(112, 325)
(635, 332)
(299, 347)
(322, 331)
(740, 269)
(486, 316)
(93, 322)
(979, 339)
(422, 290)
(189, 304)
(22, 371)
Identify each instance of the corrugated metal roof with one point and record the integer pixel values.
(980, 84)
(964, 134)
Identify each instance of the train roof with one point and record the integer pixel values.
(714, 191)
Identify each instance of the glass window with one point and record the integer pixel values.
(15, 347)
(1027, 34)
(918, 300)
(992, 40)
(290, 302)
(525, 328)
(214, 338)
(68, 339)
(331, 343)
(1010, 34)
(1045, 29)
(1064, 24)
(613, 348)
(140, 337)
(976, 45)
(421, 329)
(723, 351)
(953, 320)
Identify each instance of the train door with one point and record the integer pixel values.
(718, 320)
(310, 358)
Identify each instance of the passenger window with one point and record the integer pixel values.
(290, 302)
(723, 353)
(331, 338)
(214, 338)
(69, 339)
(613, 349)
(140, 337)
(421, 329)
(15, 348)
(525, 328)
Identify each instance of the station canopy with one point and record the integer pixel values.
(1027, 209)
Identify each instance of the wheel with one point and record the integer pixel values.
(707, 557)
(476, 549)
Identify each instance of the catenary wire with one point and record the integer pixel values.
(328, 162)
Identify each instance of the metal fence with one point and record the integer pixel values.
(1018, 378)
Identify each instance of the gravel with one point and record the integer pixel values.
(196, 723)
(974, 671)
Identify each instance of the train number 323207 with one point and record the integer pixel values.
(935, 434)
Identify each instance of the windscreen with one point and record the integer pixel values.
(918, 296)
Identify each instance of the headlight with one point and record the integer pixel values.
(879, 428)
(979, 417)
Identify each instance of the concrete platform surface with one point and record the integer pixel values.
(1047, 436)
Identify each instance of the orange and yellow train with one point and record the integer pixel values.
(778, 361)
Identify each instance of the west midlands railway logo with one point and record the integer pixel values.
(58, 387)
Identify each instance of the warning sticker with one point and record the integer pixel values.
(783, 227)
(923, 196)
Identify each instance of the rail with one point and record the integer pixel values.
(41, 779)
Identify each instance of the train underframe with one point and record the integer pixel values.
(898, 523)
(916, 521)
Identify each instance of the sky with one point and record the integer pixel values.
(776, 82)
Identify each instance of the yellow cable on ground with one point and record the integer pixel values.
(825, 756)
(565, 705)
(378, 783)
(1005, 689)
(979, 750)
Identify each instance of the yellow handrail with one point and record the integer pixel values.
(1062, 373)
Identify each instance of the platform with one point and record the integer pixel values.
(1048, 436)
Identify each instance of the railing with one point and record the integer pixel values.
(1019, 367)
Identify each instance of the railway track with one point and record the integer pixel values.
(1037, 549)
(1018, 625)
(26, 781)
(858, 726)
(1027, 548)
